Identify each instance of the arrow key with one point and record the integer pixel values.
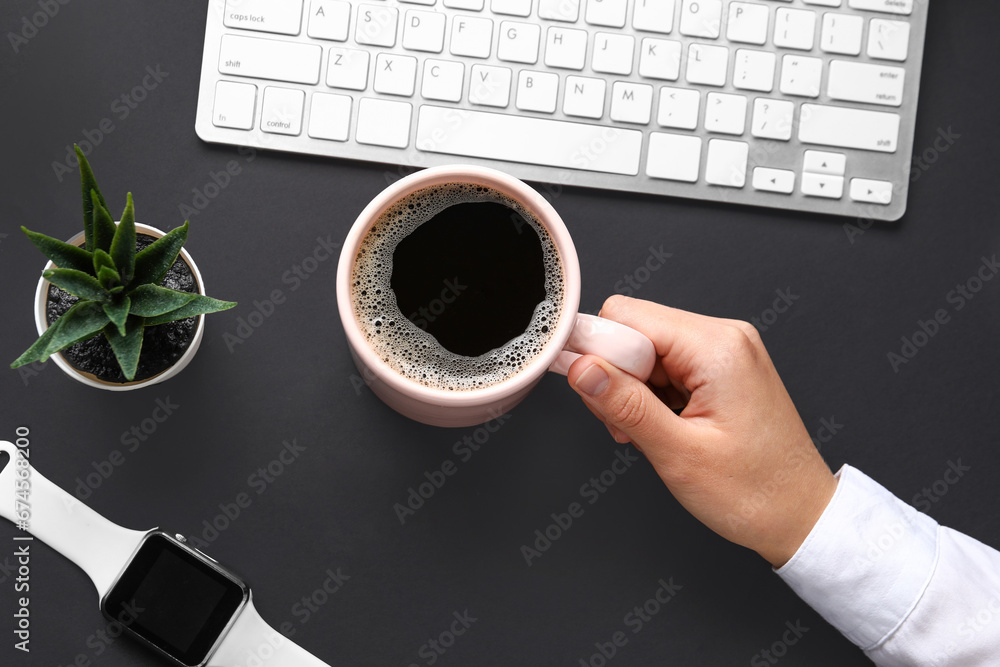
(774, 180)
(822, 185)
(820, 162)
(871, 191)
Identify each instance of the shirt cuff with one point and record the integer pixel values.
(866, 562)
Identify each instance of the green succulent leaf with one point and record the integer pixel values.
(153, 300)
(200, 305)
(64, 255)
(104, 226)
(109, 278)
(78, 284)
(84, 320)
(88, 184)
(152, 264)
(123, 244)
(127, 346)
(117, 312)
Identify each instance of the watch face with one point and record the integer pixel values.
(175, 599)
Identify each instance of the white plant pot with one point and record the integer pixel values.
(89, 379)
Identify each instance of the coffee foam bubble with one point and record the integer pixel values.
(411, 351)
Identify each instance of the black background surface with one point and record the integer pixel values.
(292, 379)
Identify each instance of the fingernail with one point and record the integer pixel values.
(592, 381)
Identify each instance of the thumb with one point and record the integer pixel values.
(623, 402)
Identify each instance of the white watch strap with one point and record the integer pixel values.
(99, 547)
(251, 642)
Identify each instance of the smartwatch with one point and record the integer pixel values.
(165, 593)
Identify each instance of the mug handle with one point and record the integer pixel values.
(616, 343)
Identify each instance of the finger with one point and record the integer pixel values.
(623, 402)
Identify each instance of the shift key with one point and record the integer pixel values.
(270, 59)
(849, 128)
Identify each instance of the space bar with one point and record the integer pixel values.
(539, 141)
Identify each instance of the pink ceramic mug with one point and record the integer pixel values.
(574, 334)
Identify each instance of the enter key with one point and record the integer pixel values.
(866, 83)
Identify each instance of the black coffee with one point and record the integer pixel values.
(457, 286)
(471, 276)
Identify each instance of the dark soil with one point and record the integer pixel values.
(162, 345)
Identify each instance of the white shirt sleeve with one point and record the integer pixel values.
(905, 589)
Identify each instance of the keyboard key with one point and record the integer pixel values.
(383, 123)
(660, 59)
(519, 42)
(631, 102)
(471, 36)
(754, 70)
(774, 180)
(725, 114)
(888, 40)
(330, 19)
(701, 18)
(537, 91)
(490, 86)
(395, 74)
(679, 108)
(849, 128)
(234, 105)
(376, 25)
(613, 54)
(653, 15)
(609, 13)
(424, 31)
(511, 7)
(842, 34)
(772, 119)
(473, 5)
(347, 68)
(795, 28)
(282, 110)
(443, 80)
(748, 23)
(673, 157)
(871, 191)
(567, 11)
(887, 6)
(866, 83)
(823, 3)
(419, 2)
(584, 97)
(270, 59)
(566, 48)
(726, 164)
(708, 64)
(277, 16)
(822, 185)
(330, 117)
(820, 162)
(529, 140)
(801, 75)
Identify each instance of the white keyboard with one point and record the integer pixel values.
(795, 104)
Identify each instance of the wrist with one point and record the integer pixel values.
(791, 531)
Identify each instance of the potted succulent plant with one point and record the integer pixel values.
(120, 305)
